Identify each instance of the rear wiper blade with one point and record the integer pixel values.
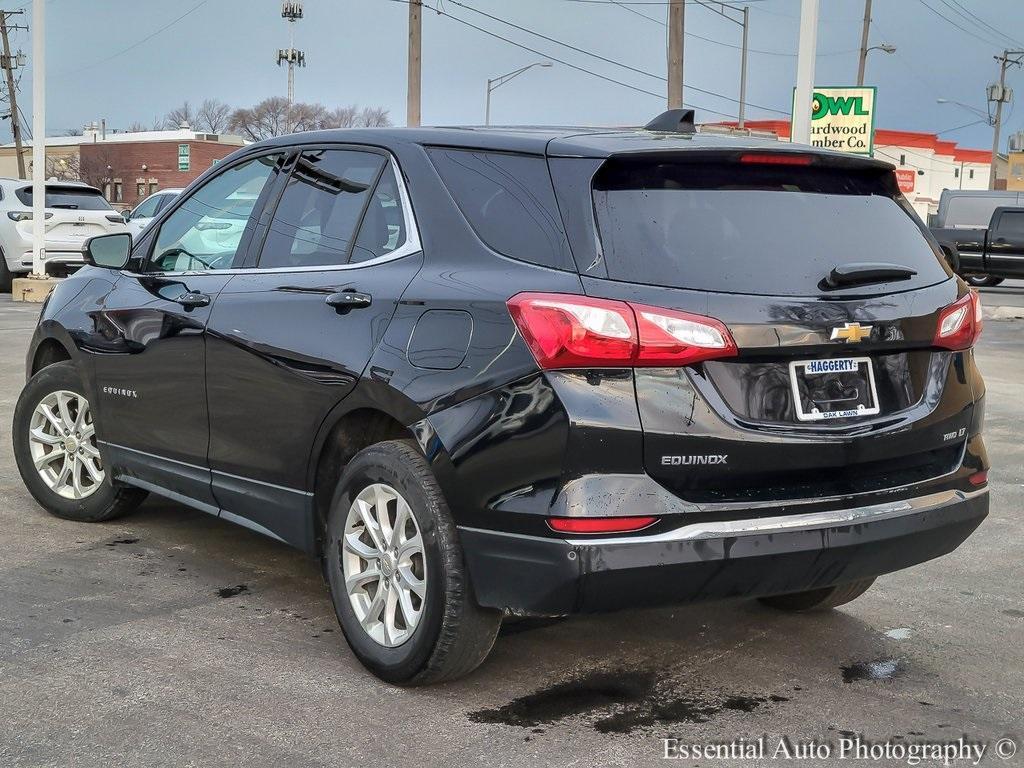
(861, 273)
(72, 206)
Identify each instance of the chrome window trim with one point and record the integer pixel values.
(411, 245)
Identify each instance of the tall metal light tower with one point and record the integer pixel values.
(291, 12)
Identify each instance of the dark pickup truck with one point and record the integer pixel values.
(987, 255)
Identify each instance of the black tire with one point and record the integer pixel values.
(6, 277)
(819, 599)
(454, 634)
(983, 281)
(108, 500)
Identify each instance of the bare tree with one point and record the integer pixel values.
(275, 116)
(374, 117)
(135, 126)
(183, 114)
(63, 168)
(73, 132)
(212, 116)
(307, 117)
(268, 118)
(343, 117)
(94, 165)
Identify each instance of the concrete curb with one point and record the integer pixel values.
(1003, 313)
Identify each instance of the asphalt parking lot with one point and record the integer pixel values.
(173, 638)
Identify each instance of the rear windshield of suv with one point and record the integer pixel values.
(68, 197)
(762, 229)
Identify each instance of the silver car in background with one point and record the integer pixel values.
(146, 211)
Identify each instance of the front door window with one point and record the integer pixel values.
(205, 231)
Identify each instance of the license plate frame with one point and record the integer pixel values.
(834, 366)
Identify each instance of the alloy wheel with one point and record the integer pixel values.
(62, 442)
(383, 564)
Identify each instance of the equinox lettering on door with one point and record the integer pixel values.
(678, 461)
(120, 391)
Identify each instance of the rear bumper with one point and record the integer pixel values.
(55, 257)
(755, 557)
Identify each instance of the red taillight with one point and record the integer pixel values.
(978, 478)
(599, 524)
(670, 337)
(566, 331)
(960, 323)
(772, 158)
(575, 331)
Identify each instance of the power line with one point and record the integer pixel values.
(959, 127)
(146, 39)
(712, 40)
(659, 2)
(958, 26)
(495, 35)
(979, 22)
(602, 58)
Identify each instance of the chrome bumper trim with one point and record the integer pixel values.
(787, 523)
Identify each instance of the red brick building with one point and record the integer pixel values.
(131, 166)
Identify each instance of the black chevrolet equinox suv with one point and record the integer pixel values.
(489, 373)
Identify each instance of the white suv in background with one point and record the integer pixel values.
(74, 213)
(146, 211)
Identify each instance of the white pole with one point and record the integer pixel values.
(38, 136)
(807, 50)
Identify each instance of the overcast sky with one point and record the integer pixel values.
(102, 65)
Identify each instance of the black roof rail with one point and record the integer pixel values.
(673, 121)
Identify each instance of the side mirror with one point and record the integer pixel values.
(108, 251)
(127, 216)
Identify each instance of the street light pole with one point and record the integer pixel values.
(496, 82)
(38, 136)
(743, 70)
(806, 51)
(723, 9)
(864, 42)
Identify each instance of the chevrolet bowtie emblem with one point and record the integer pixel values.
(851, 332)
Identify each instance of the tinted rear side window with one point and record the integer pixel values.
(508, 202)
(67, 197)
(763, 230)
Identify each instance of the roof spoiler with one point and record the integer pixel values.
(673, 121)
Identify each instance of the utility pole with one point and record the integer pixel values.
(415, 52)
(864, 42)
(1000, 94)
(807, 49)
(676, 26)
(9, 63)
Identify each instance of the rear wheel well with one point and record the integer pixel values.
(49, 352)
(353, 432)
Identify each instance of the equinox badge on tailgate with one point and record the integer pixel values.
(677, 461)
